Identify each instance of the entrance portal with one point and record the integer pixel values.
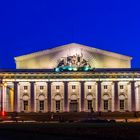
(73, 106)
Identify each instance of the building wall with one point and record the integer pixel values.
(74, 96)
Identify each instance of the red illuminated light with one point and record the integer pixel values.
(3, 113)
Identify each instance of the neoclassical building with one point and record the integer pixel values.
(70, 78)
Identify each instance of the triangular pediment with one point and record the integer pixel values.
(72, 47)
(49, 58)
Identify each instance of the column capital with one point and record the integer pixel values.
(49, 82)
(82, 82)
(132, 81)
(15, 81)
(65, 81)
(115, 81)
(32, 82)
(99, 82)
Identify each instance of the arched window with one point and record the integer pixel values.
(25, 99)
(73, 97)
(73, 103)
(41, 102)
(90, 102)
(122, 102)
(106, 102)
(58, 102)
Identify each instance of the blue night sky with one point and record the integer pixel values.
(27, 26)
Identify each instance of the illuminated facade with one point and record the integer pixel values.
(71, 78)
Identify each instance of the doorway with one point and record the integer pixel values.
(73, 106)
(25, 105)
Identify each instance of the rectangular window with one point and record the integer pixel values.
(121, 87)
(25, 105)
(73, 87)
(121, 104)
(89, 87)
(105, 86)
(25, 87)
(105, 104)
(41, 105)
(41, 87)
(57, 87)
(57, 105)
(90, 105)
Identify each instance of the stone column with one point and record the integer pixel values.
(49, 96)
(32, 92)
(4, 88)
(99, 91)
(1, 94)
(15, 96)
(5, 98)
(133, 96)
(82, 96)
(138, 97)
(116, 96)
(65, 96)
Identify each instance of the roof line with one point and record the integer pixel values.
(52, 70)
(35, 54)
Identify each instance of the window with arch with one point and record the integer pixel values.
(90, 105)
(25, 105)
(105, 104)
(122, 104)
(41, 105)
(58, 105)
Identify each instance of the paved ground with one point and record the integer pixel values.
(69, 131)
(12, 135)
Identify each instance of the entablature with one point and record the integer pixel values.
(70, 75)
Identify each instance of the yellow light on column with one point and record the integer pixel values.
(12, 99)
(5, 84)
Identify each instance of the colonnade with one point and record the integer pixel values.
(105, 96)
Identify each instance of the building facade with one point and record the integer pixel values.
(70, 78)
